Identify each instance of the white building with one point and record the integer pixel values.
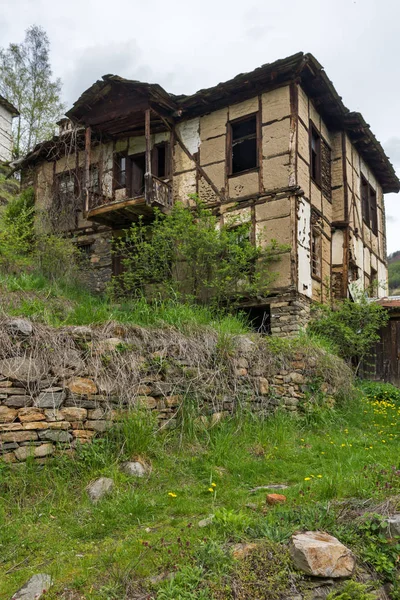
(7, 112)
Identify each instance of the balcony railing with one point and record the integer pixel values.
(158, 192)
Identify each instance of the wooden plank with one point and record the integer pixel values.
(88, 135)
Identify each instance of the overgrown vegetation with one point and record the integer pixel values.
(144, 539)
(350, 328)
(187, 254)
(394, 275)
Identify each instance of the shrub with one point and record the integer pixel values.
(380, 392)
(351, 590)
(17, 231)
(187, 254)
(56, 257)
(351, 327)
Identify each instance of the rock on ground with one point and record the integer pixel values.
(20, 326)
(99, 488)
(136, 469)
(34, 588)
(321, 555)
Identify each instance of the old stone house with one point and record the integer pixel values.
(275, 147)
(7, 112)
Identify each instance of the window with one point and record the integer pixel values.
(369, 205)
(85, 248)
(316, 252)
(65, 184)
(315, 155)
(373, 283)
(160, 161)
(94, 179)
(120, 171)
(243, 154)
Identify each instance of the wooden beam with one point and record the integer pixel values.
(147, 175)
(88, 136)
(199, 168)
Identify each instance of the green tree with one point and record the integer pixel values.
(26, 80)
(187, 253)
(352, 327)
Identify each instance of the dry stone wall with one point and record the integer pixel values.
(60, 388)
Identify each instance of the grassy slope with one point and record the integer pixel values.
(56, 304)
(97, 552)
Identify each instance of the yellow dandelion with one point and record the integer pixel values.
(211, 489)
(319, 476)
(307, 478)
(214, 485)
(171, 494)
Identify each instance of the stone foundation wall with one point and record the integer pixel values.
(51, 402)
(290, 314)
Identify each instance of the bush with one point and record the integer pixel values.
(17, 231)
(352, 328)
(380, 392)
(187, 254)
(56, 257)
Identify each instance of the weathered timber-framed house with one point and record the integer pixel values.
(275, 147)
(7, 113)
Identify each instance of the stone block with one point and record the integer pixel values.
(21, 369)
(7, 415)
(83, 385)
(34, 425)
(50, 398)
(72, 413)
(31, 414)
(41, 451)
(58, 425)
(146, 402)
(99, 426)
(55, 436)
(18, 436)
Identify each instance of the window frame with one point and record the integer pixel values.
(118, 156)
(230, 144)
(313, 132)
(316, 234)
(155, 160)
(369, 204)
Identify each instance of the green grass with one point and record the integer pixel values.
(109, 550)
(56, 303)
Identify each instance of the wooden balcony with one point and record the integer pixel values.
(120, 212)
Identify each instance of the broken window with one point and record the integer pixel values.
(373, 283)
(315, 155)
(316, 254)
(94, 179)
(160, 161)
(326, 177)
(243, 154)
(369, 205)
(65, 185)
(120, 171)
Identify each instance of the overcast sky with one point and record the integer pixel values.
(186, 45)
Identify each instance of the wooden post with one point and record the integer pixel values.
(147, 176)
(88, 137)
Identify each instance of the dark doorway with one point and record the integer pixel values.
(259, 318)
(137, 164)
